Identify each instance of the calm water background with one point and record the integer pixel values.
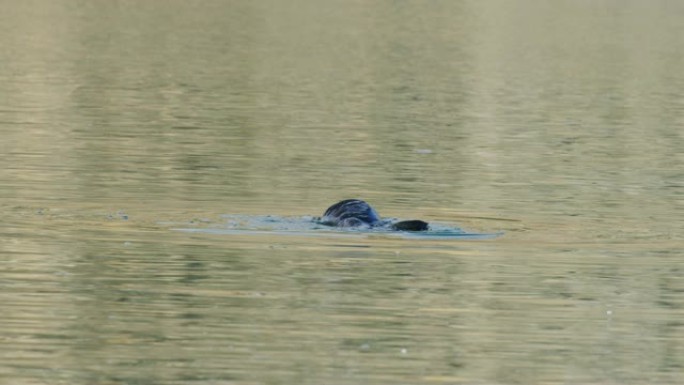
(560, 123)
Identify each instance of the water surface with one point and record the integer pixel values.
(557, 124)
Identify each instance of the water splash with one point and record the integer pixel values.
(308, 226)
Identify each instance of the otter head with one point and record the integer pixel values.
(357, 213)
(350, 213)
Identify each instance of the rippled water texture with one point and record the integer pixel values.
(160, 162)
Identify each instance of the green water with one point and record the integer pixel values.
(560, 124)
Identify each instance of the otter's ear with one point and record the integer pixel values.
(412, 225)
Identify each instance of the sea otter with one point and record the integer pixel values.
(357, 213)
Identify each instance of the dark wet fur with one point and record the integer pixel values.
(357, 213)
(411, 225)
(350, 213)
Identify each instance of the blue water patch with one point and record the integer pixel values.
(307, 226)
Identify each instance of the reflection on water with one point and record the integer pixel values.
(559, 124)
